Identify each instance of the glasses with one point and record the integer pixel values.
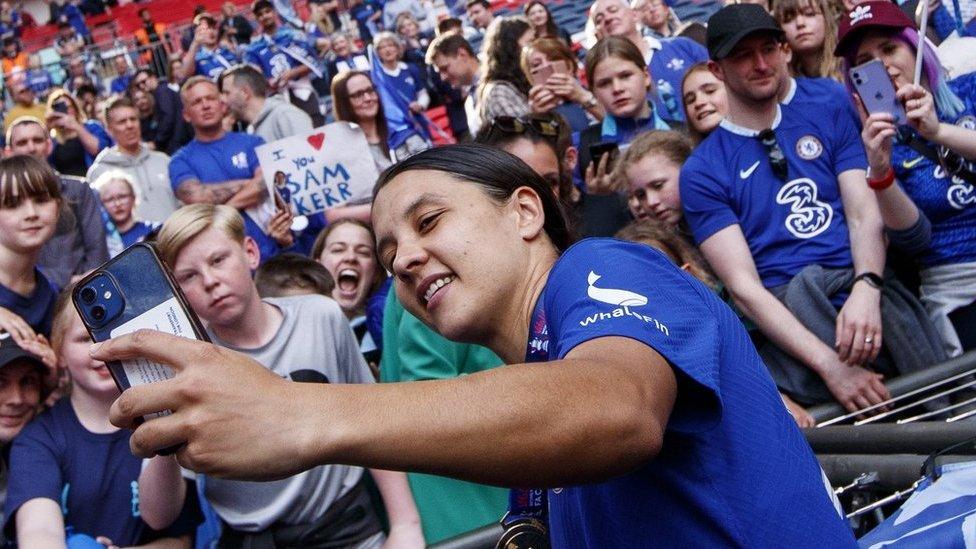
(116, 199)
(777, 160)
(361, 94)
(545, 127)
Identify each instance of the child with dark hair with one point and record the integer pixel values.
(30, 205)
(292, 274)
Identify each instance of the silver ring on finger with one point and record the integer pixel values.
(869, 340)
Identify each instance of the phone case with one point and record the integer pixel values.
(134, 290)
(877, 93)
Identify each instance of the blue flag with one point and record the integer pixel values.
(940, 514)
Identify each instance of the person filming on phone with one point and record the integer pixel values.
(776, 199)
(922, 172)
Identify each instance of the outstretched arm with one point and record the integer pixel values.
(600, 412)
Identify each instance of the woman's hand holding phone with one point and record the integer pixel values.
(920, 110)
(541, 99)
(878, 133)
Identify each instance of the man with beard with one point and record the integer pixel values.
(776, 191)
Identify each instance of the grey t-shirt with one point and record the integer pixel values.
(314, 344)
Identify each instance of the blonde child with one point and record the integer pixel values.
(71, 468)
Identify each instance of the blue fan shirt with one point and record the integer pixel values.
(228, 158)
(949, 203)
(211, 63)
(734, 469)
(670, 61)
(729, 180)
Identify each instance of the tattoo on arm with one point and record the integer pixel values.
(192, 192)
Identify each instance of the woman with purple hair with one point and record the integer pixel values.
(931, 211)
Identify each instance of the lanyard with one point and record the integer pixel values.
(527, 520)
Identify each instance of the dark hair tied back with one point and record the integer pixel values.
(497, 172)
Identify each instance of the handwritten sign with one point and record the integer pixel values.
(325, 168)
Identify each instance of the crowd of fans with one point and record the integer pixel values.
(735, 145)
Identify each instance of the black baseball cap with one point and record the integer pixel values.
(11, 352)
(259, 5)
(729, 25)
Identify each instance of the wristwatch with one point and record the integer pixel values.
(874, 280)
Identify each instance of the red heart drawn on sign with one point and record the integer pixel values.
(316, 140)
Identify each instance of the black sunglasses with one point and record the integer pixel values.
(777, 160)
(546, 127)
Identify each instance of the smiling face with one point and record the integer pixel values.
(456, 70)
(20, 394)
(897, 56)
(214, 271)
(652, 189)
(456, 254)
(340, 45)
(87, 374)
(755, 68)
(621, 87)
(363, 98)
(349, 255)
(27, 225)
(705, 100)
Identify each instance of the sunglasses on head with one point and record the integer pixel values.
(777, 160)
(545, 127)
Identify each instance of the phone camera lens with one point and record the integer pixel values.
(88, 294)
(98, 312)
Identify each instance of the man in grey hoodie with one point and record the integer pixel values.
(149, 169)
(244, 90)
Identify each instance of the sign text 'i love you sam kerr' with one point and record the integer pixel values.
(328, 167)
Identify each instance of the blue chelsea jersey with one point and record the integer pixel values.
(734, 469)
(228, 158)
(211, 63)
(670, 61)
(288, 48)
(825, 93)
(949, 203)
(788, 224)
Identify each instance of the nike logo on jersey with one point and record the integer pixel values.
(748, 171)
(909, 164)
